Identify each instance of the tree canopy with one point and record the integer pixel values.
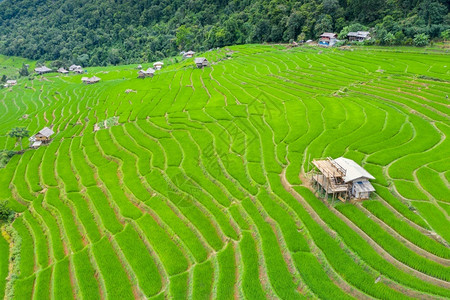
(19, 133)
(102, 32)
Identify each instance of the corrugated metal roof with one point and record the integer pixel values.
(353, 170)
(36, 144)
(46, 132)
(200, 60)
(363, 186)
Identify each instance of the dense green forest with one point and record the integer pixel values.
(102, 32)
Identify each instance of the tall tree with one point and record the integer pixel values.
(19, 133)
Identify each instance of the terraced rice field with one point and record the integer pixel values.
(197, 193)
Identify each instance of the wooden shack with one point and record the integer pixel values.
(10, 83)
(342, 178)
(42, 137)
(146, 73)
(189, 54)
(327, 39)
(74, 67)
(42, 70)
(92, 80)
(201, 62)
(62, 71)
(358, 36)
(158, 65)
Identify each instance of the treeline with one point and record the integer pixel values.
(102, 32)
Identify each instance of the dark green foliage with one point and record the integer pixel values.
(6, 213)
(19, 133)
(113, 32)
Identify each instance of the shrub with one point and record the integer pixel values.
(421, 40)
(6, 213)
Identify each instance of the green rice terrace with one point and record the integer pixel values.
(196, 182)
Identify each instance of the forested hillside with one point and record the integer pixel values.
(102, 32)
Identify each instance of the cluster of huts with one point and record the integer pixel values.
(200, 62)
(328, 39)
(73, 68)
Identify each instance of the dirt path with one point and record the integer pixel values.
(367, 238)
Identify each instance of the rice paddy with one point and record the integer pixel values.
(200, 191)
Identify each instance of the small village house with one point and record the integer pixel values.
(10, 83)
(74, 67)
(201, 62)
(62, 71)
(342, 178)
(189, 54)
(358, 36)
(42, 137)
(42, 70)
(92, 80)
(150, 72)
(327, 39)
(139, 67)
(158, 65)
(78, 70)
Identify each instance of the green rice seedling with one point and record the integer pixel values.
(82, 168)
(185, 233)
(293, 169)
(433, 184)
(198, 219)
(32, 173)
(173, 152)
(203, 280)
(40, 240)
(316, 278)
(394, 247)
(105, 211)
(435, 218)
(179, 286)
(64, 168)
(251, 285)
(140, 260)
(61, 277)
(4, 265)
(186, 185)
(116, 281)
(85, 216)
(85, 274)
(27, 259)
(71, 230)
(23, 189)
(256, 172)
(400, 207)
(43, 283)
(165, 247)
(52, 227)
(238, 216)
(445, 206)
(23, 288)
(409, 190)
(227, 273)
(294, 240)
(6, 175)
(377, 172)
(409, 233)
(278, 273)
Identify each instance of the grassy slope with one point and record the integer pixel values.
(197, 145)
